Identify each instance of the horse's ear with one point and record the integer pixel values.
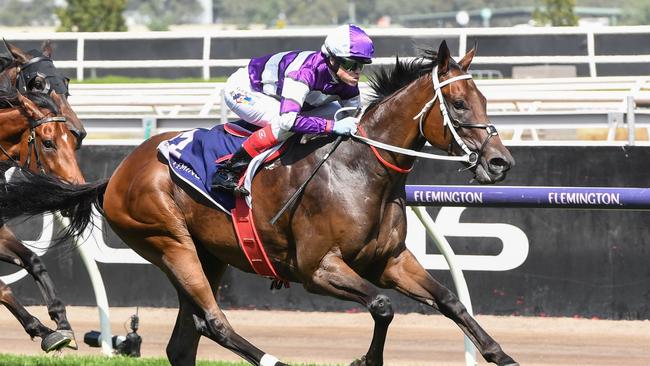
(467, 59)
(443, 58)
(47, 49)
(19, 54)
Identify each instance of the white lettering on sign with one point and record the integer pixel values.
(443, 197)
(514, 240)
(584, 198)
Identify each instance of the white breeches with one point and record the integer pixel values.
(261, 109)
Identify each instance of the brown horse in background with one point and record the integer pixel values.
(344, 238)
(41, 132)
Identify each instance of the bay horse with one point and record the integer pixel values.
(40, 131)
(345, 237)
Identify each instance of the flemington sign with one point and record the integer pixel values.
(534, 197)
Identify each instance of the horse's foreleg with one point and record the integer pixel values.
(335, 278)
(51, 340)
(405, 274)
(13, 251)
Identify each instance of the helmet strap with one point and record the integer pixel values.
(333, 66)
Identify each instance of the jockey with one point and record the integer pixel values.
(295, 92)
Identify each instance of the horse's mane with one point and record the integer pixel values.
(8, 93)
(387, 81)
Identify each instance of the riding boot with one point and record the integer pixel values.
(227, 176)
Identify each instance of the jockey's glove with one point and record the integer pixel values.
(346, 126)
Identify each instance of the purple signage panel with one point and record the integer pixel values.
(510, 196)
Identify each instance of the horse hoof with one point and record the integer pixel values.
(359, 361)
(70, 334)
(54, 342)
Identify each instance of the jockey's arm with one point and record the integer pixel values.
(291, 101)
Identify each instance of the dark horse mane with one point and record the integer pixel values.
(8, 93)
(386, 81)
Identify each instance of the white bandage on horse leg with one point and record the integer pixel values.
(268, 360)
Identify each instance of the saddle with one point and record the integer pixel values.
(193, 157)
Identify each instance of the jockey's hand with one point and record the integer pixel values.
(346, 126)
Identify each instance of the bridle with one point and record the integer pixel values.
(453, 124)
(31, 142)
(42, 66)
(469, 157)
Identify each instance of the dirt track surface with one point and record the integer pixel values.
(413, 339)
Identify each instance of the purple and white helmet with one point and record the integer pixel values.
(349, 41)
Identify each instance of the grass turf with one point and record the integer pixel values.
(68, 360)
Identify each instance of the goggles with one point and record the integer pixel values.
(351, 64)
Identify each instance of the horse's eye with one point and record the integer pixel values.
(459, 104)
(49, 144)
(38, 86)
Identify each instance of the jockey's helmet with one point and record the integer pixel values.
(349, 41)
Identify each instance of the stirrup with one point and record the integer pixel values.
(237, 191)
(240, 190)
(228, 181)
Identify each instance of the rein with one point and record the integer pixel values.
(470, 157)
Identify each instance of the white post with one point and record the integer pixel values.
(456, 273)
(97, 282)
(207, 44)
(591, 51)
(81, 44)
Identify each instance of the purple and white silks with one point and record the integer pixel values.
(301, 81)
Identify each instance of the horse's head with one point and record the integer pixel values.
(36, 73)
(48, 144)
(467, 129)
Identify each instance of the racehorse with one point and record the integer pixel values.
(41, 132)
(345, 236)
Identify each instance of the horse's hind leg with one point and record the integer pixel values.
(405, 274)
(181, 263)
(184, 342)
(335, 278)
(51, 340)
(13, 251)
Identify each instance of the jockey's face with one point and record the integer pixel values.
(350, 77)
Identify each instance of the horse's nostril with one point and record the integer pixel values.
(498, 165)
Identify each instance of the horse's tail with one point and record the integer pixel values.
(23, 192)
